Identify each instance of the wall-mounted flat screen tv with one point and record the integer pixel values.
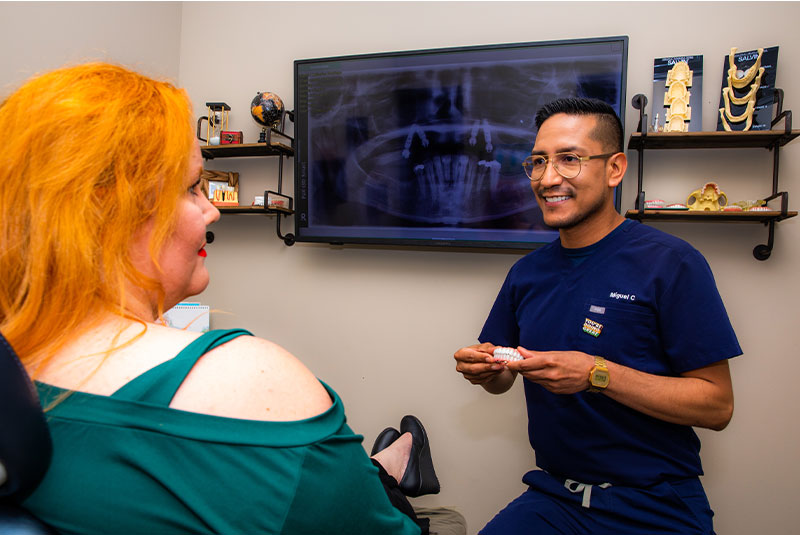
(425, 147)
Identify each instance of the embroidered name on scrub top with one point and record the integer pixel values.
(592, 327)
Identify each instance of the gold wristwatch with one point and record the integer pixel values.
(598, 375)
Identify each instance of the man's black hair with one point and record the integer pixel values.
(609, 127)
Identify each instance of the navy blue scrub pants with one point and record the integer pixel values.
(553, 506)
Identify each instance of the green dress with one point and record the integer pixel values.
(127, 463)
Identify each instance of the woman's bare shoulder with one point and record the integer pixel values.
(101, 360)
(255, 379)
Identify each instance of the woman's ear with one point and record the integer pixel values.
(616, 166)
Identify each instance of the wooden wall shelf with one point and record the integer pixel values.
(693, 216)
(258, 210)
(282, 146)
(246, 149)
(711, 140)
(772, 140)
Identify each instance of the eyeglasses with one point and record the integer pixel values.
(566, 164)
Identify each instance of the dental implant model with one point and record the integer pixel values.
(676, 98)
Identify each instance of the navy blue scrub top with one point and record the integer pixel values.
(643, 299)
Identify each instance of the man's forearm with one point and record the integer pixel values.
(702, 398)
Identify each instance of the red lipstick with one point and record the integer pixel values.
(202, 252)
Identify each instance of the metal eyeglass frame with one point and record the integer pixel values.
(549, 159)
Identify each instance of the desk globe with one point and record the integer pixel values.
(267, 110)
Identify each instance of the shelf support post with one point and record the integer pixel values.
(775, 165)
(288, 239)
(762, 252)
(639, 102)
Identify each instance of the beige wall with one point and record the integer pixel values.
(380, 325)
(38, 36)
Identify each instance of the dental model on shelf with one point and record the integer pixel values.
(676, 98)
(739, 79)
(709, 198)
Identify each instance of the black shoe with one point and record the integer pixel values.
(419, 478)
(384, 438)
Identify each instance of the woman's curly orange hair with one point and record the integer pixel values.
(90, 153)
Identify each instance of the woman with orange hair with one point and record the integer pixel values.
(158, 430)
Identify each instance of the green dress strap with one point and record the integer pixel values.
(159, 384)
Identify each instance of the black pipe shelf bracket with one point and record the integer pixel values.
(289, 238)
(769, 139)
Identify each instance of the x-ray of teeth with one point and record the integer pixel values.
(450, 183)
(436, 147)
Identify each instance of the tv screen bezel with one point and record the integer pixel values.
(301, 183)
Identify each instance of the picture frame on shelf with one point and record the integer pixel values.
(678, 91)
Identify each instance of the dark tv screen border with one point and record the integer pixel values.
(424, 147)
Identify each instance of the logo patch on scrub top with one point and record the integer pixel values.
(592, 327)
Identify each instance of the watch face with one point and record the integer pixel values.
(599, 378)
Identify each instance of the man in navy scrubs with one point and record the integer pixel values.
(625, 342)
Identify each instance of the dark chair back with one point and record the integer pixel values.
(25, 445)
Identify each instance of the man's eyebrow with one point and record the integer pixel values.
(535, 152)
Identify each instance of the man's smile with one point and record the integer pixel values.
(555, 198)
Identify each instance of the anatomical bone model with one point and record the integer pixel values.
(746, 83)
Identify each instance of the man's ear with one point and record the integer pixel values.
(615, 167)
